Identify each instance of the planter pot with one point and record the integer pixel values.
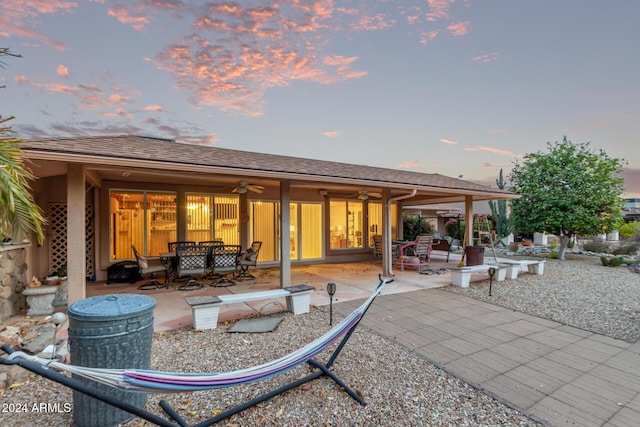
(474, 255)
(614, 236)
(514, 246)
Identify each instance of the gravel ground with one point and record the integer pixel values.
(399, 388)
(580, 292)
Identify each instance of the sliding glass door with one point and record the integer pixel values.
(304, 234)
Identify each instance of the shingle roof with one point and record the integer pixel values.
(163, 153)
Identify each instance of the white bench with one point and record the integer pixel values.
(205, 309)
(534, 266)
(461, 276)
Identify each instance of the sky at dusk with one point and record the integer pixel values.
(438, 86)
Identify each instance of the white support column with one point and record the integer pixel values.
(76, 234)
(468, 223)
(387, 238)
(285, 223)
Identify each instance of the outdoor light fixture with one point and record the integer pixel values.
(331, 290)
(57, 319)
(492, 272)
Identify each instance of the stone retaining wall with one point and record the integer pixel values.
(13, 279)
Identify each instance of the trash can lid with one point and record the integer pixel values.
(110, 307)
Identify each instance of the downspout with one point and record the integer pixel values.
(386, 236)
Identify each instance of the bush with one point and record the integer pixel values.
(412, 226)
(630, 248)
(611, 262)
(598, 246)
(629, 230)
(455, 229)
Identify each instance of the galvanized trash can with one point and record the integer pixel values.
(109, 331)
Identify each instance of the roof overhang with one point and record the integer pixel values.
(124, 165)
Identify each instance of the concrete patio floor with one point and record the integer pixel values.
(353, 281)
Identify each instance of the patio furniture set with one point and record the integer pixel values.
(190, 262)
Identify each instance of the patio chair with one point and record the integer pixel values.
(192, 261)
(173, 246)
(423, 247)
(151, 267)
(225, 262)
(248, 259)
(377, 245)
(417, 253)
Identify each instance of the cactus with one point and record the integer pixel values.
(615, 262)
(499, 213)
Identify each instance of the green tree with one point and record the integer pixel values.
(18, 211)
(569, 190)
(500, 214)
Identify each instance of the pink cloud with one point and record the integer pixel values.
(137, 21)
(153, 108)
(448, 141)
(459, 28)
(497, 131)
(439, 9)
(232, 52)
(332, 133)
(263, 47)
(18, 16)
(488, 57)
(62, 71)
(21, 80)
(426, 37)
(373, 23)
(409, 164)
(492, 150)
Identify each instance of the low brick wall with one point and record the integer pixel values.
(13, 279)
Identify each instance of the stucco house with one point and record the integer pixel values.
(103, 194)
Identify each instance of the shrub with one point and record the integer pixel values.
(630, 248)
(414, 225)
(629, 230)
(598, 246)
(455, 229)
(611, 262)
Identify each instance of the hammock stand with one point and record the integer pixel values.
(321, 370)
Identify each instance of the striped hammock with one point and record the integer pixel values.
(165, 382)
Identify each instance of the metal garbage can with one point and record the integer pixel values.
(109, 331)
(474, 255)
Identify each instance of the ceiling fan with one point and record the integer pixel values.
(364, 194)
(243, 187)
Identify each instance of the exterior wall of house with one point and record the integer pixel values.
(47, 192)
(53, 191)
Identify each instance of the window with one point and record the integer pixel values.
(304, 234)
(212, 217)
(144, 219)
(346, 224)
